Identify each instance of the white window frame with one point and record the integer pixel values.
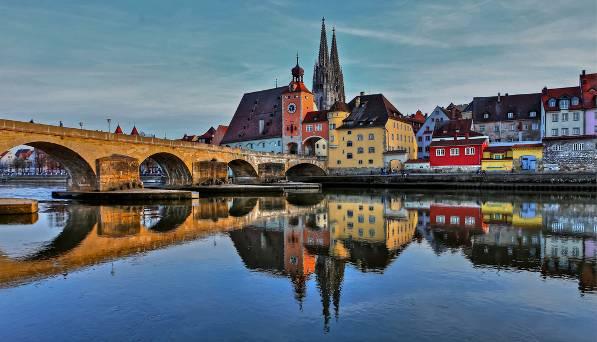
(469, 151)
(309, 128)
(440, 219)
(440, 152)
(454, 151)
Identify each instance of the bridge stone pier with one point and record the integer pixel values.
(101, 161)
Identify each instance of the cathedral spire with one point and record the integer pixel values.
(337, 78)
(323, 46)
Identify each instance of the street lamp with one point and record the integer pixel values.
(81, 124)
(109, 125)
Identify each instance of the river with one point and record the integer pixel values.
(347, 264)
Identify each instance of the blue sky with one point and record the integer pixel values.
(174, 67)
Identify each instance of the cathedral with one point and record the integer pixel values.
(328, 81)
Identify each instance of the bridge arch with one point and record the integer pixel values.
(81, 174)
(173, 168)
(304, 169)
(242, 168)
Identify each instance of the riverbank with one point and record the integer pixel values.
(38, 179)
(502, 181)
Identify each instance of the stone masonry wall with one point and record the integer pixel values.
(562, 153)
(117, 173)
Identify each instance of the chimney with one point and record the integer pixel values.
(506, 94)
(544, 91)
(499, 97)
(584, 72)
(362, 93)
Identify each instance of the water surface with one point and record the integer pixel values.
(344, 265)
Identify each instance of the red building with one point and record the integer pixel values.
(219, 134)
(315, 132)
(455, 216)
(456, 145)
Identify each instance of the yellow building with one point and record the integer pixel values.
(371, 221)
(338, 112)
(373, 136)
(520, 157)
(497, 158)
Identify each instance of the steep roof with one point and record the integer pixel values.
(264, 104)
(417, 117)
(588, 84)
(134, 131)
(372, 110)
(521, 105)
(557, 94)
(316, 116)
(208, 134)
(118, 130)
(455, 127)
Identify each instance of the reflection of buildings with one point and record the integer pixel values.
(453, 224)
(369, 231)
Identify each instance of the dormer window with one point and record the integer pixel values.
(564, 103)
(551, 103)
(486, 116)
(575, 101)
(533, 114)
(510, 115)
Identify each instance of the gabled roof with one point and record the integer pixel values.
(417, 117)
(588, 84)
(560, 93)
(264, 104)
(316, 116)
(372, 110)
(455, 128)
(498, 107)
(208, 134)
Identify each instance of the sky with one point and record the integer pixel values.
(176, 67)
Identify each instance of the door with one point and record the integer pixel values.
(528, 163)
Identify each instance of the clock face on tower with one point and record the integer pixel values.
(291, 108)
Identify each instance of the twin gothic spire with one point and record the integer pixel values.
(328, 80)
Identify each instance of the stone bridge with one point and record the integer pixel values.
(104, 161)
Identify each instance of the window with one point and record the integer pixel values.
(564, 103)
(551, 103)
(419, 139)
(454, 220)
(371, 219)
(316, 145)
(578, 147)
(557, 148)
(419, 149)
(564, 116)
(332, 126)
(349, 143)
(440, 152)
(554, 117)
(349, 132)
(576, 116)
(349, 213)
(338, 162)
(533, 114)
(309, 128)
(575, 101)
(361, 232)
(371, 136)
(455, 151)
(564, 131)
(372, 232)
(323, 146)
(486, 116)
(332, 138)
(359, 137)
(360, 162)
(513, 127)
(496, 128)
(261, 126)
(482, 128)
(427, 138)
(469, 220)
(469, 151)
(534, 126)
(440, 219)
(361, 219)
(510, 115)
(371, 149)
(525, 127)
(348, 155)
(554, 132)
(370, 161)
(360, 150)
(318, 128)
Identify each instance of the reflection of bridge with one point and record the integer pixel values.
(95, 234)
(100, 161)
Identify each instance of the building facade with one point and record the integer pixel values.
(456, 147)
(328, 80)
(570, 153)
(315, 134)
(508, 118)
(437, 117)
(373, 128)
(562, 112)
(588, 85)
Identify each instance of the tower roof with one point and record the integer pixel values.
(323, 46)
(134, 131)
(118, 130)
(297, 71)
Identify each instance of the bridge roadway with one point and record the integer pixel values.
(103, 161)
(96, 234)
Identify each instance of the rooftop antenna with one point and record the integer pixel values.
(276, 82)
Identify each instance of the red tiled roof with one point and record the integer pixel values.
(558, 93)
(460, 142)
(588, 83)
(265, 105)
(208, 134)
(316, 116)
(300, 86)
(418, 117)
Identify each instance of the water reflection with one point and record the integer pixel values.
(316, 238)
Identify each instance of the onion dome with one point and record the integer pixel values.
(134, 131)
(297, 71)
(118, 130)
(340, 106)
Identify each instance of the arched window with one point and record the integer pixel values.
(575, 101)
(551, 103)
(371, 136)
